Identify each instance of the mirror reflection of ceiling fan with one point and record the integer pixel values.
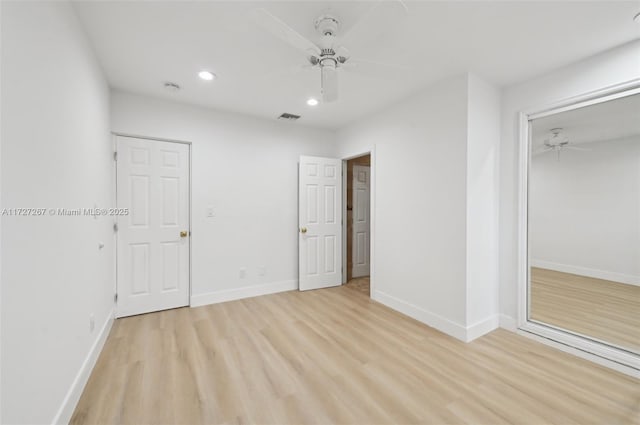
(558, 142)
(329, 54)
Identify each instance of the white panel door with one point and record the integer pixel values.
(320, 222)
(361, 221)
(153, 239)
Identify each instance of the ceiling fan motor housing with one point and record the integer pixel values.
(327, 25)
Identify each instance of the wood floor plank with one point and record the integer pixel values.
(335, 356)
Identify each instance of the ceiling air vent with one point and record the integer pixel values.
(288, 117)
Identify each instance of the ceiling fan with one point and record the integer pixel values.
(558, 141)
(329, 54)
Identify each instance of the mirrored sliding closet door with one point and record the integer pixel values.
(584, 222)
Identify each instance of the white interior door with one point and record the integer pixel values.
(153, 239)
(320, 222)
(361, 221)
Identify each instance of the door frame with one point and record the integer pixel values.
(115, 136)
(580, 345)
(372, 216)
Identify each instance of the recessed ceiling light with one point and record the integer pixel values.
(207, 75)
(312, 101)
(171, 86)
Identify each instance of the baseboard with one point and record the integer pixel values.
(585, 271)
(245, 292)
(428, 318)
(482, 327)
(75, 391)
(508, 323)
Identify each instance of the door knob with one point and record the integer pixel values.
(303, 230)
(184, 234)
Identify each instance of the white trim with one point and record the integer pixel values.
(345, 272)
(225, 295)
(465, 334)
(482, 327)
(428, 318)
(523, 217)
(157, 139)
(372, 216)
(584, 354)
(114, 200)
(190, 219)
(579, 343)
(584, 342)
(508, 323)
(615, 91)
(585, 271)
(63, 416)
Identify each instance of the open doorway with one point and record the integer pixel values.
(329, 223)
(358, 223)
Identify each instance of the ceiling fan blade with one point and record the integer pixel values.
(283, 31)
(539, 151)
(575, 148)
(342, 51)
(375, 69)
(329, 84)
(382, 17)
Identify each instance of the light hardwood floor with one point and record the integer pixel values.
(333, 356)
(605, 310)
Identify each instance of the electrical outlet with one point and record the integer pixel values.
(92, 323)
(210, 212)
(243, 272)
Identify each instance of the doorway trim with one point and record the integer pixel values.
(372, 216)
(582, 346)
(114, 136)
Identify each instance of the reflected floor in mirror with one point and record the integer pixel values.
(602, 309)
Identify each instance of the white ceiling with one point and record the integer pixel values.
(142, 44)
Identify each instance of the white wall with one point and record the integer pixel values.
(1, 206)
(609, 68)
(246, 169)
(420, 171)
(55, 153)
(584, 210)
(483, 132)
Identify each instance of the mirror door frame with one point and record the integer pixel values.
(583, 346)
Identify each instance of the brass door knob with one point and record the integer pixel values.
(303, 230)
(184, 234)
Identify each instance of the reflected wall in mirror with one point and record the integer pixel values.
(584, 222)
